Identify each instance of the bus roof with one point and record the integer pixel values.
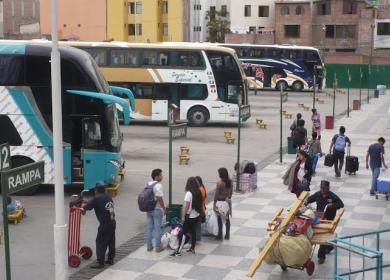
(164, 45)
(273, 46)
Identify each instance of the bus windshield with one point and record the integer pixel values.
(113, 130)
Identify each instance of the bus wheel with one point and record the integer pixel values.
(281, 85)
(17, 161)
(297, 86)
(198, 116)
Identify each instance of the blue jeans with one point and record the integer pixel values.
(375, 174)
(314, 160)
(154, 220)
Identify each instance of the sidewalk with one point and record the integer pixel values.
(231, 259)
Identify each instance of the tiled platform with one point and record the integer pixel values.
(229, 260)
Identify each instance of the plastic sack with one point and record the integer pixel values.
(165, 238)
(212, 225)
(290, 251)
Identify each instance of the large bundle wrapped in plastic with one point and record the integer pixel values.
(290, 251)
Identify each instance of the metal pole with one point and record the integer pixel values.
(334, 95)
(170, 166)
(60, 256)
(281, 127)
(360, 87)
(6, 234)
(348, 102)
(314, 90)
(369, 63)
(238, 144)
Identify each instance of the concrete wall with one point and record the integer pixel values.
(83, 18)
(266, 39)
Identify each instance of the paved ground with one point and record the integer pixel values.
(230, 259)
(145, 148)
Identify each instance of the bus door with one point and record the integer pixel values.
(92, 152)
(267, 77)
(162, 94)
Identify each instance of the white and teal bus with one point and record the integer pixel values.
(91, 133)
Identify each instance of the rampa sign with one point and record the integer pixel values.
(23, 177)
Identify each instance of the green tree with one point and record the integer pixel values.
(217, 25)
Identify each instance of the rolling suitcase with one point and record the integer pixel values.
(351, 163)
(329, 160)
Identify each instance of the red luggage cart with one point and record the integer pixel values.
(74, 250)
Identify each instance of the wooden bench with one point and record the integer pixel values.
(16, 217)
(184, 159)
(284, 112)
(228, 133)
(1, 237)
(301, 105)
(306, 108)
(230, 140)
(288, 116)
(261, 123)
(113, 189)
(184, 150)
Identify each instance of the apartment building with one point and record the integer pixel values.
(19, 19)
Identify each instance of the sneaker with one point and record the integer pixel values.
(321, 260)
(191, 250)
(159, 249)
(149, 249)
(338, 174)
(372, 193)
(96, 265)
(175, 254)
(110, 262)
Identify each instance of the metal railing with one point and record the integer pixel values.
(353, 247)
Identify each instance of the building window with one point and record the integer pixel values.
(165, 29)
(247, 10)
(329, 31)
(165, 7)
(323, 7)
(212, 12)
(383, 28)
(252, 29)
(292, 31)
(345, 31)
(138, 29)
(138, 7)
(197, 28)
(299, 10)
(131, 8)
(131, 29)
(285, 10)
(197, 7)
(224, 10)
(263, 11)
(349, 7)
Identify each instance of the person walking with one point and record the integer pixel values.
(316, 119)
(339, 141)
(202, 217)
(154, 217)
(300, 134)
(191, 210)
(294, 124)
(327, 203)
(314, 151)
(303, 174)
(104, 209)
(222, 202)
(376, 153)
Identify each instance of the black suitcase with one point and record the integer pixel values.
(351, 164)
(329, 160)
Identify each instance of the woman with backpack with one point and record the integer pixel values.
(222, 201)
(191, 210)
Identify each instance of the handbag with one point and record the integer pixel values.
(304, 185)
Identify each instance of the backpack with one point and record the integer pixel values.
(146, 199)
(340, 143)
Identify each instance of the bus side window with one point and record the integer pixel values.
(9, 135)
(118, 57)
(72, 77)
(150, 58)
(161, 92)
(98, 54)
(38, 72)
(193, 91)
(143, 91)
(182, 58)
(163, 58)
(11, 70)
(133, 57)
(279, 71)
(196, 59)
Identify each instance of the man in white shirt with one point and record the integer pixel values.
(154, 218)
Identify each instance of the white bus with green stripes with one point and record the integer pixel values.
(91, 133)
